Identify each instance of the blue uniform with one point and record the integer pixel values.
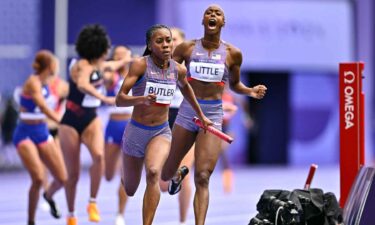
(115, 128)
(37, 133)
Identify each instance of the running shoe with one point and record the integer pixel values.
(71, 220)
(55, 212)
(119, 220)
(93, 212)
(227, 176)
(175, 186)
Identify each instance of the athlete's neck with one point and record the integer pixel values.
(44, 76)
(211, 41)
(160, 63)
(95, 63)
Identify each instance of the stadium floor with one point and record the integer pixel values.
(234, 208)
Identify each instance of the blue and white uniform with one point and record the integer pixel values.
(115, 128)
(38, 133)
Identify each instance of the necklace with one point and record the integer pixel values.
(161, 66)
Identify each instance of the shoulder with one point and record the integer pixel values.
(138, 65)
(233, 50)
(82, 66)
(33, 80)
(180, 68)
(234, 54)
(140, 61)
(32, 83)
(185, 46)
(189, 44)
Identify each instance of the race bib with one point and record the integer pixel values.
(208, 72)
(90, 101)
(164, 92)
(177, 99)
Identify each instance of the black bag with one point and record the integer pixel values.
(299, 207)
(9, 122)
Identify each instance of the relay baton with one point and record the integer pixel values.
(213, 130)
(313, 168)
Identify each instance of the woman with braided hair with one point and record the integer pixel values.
(147, 136)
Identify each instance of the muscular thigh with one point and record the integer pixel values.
(182, 140)
(207, 151)
(29, 155)
(157, 152)
(70, 147)
(52, 159)
(131, 172)
(93, 137)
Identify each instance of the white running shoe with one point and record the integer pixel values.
(44, 206)
(119, 220)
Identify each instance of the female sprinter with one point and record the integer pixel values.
(34, 144)
(147, 136)
(118, 118)
(178, 36)
(211, 63)
(80, 123)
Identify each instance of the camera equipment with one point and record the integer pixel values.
(257, 221)
(286, 212)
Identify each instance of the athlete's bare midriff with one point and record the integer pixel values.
(152, 115)
(119, 116)
(206, 90)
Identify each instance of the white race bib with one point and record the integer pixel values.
(208, 72)
(177, 99)
(164, 92)
(90, 101)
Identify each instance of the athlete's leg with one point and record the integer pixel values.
(30, 159)
(70, 146)
(131, 173)
(111, 156)
(207, 151)
(93, 138)
(155, 156)
(52, 158)
(182, 140)
(186, 191)
(123, 198)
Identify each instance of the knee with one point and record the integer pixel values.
(202, 178)
(98, 158)
(62, 179)
(167, 174)
(129, 190)
(108, 175)
(37, 182)
(73, 178)
(152, 175)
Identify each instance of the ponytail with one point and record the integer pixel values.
(147, 51)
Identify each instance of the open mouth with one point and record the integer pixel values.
(212, 23)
